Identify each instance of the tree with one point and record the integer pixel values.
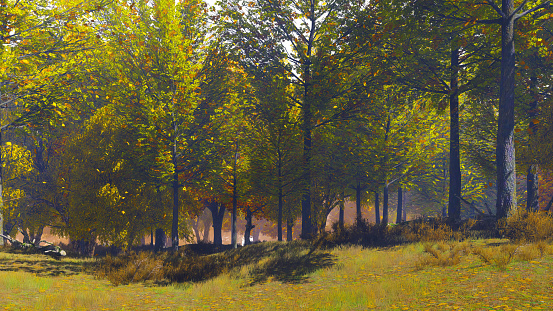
(506, 16)
(261, 32)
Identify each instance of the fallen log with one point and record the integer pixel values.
(49, 249)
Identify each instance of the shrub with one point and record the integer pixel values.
(500, 255)
(131, 267)
(442, 254)
(527, 226)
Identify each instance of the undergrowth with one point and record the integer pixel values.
(444, 244)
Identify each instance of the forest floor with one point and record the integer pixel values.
(344, 278)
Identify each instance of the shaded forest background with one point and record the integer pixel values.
(124, 119)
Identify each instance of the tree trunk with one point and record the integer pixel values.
(399, 205)
(175, 222)
(307, 116)
(217, 213)
(234, 233)
(207, 226)
(505, 151)
(249, 226)
(385, 206)
(2, 240)
(161, 240)
(289, 227)
(341, 217)
(405, 207)
(151, 238)
(454, 209)
(358, 202)
(279, 221)
(532, 177)
(376, 208)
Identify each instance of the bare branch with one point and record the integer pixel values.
(496, 8)
(539, 7)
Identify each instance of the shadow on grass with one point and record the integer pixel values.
(44, 266)
(290, 267)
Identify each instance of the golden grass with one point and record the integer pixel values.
(345, 278)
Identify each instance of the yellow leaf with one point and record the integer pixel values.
(123, 212)
(9, 143)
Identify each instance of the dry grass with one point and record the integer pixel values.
(527, 226)
(431, 275)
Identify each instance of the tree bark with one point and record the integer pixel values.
(279, 222)
(175, 186)
(505, 151)
(341, 216)
(399, 205)
(385, 206)
(307, 116)
(249, 227)
(454, 207)
(2, 240)
(358, 216)
(160, 240)
(217, 213)
(376, 208)
(289, 227)
(532, 177)
(234, 233)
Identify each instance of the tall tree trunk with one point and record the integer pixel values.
(279, 222)
(532, 178)
(376, 208)
(358, 216)
(2, 240)
(234, 233)
(341, 217)
(505, 152)
(399, 205)
(175, 222)
(385, 206)
(307, 116)
(454, 209)
(444, 207)
(151, 238)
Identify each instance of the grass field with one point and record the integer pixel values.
(344, 278)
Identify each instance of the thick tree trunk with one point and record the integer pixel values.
(161, 240)
(454, 210)
(399, 205)
(376, 208)
(358, 216)
(341, 216)
(217, 213)
(385, 205)
(505, 152)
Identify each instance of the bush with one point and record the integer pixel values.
(131, 267)
(442, 254)
(527, 226)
